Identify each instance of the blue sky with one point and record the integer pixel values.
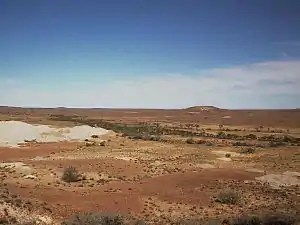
(159, 53)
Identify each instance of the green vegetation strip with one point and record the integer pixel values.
(153, 132)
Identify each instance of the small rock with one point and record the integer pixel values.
(31, 177)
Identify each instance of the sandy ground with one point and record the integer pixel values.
(158, 181)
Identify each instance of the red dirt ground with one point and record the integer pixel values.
(109, 165)
(177, 188)
(32, 150)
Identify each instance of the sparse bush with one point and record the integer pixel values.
(216, 221)
(221, 134)
(279, 219)
(290, 139)
(251, 136)
(246, 220)
(233, 136)
(238, 143)
(71, 174)
(276, 144)
(90, 143)
(227, 155)
(4, 221)
(190, 141)
(200, 142)
(187, 222)
(136, 137)
(95, 136)
(209, 144)
(228, 197)
(140, 222)
(275, 219)
(145, 137)
(248, 151)
(95, 219)
(32, 223)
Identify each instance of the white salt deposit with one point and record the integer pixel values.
(278, 180)
(13, 133)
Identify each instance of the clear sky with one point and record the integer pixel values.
(145, 54)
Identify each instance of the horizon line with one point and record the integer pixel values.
(145, 108)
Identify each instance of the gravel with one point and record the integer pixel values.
(13, 133)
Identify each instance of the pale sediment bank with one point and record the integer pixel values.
(13, 133)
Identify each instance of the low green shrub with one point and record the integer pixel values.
(221, 135)
(95, 219)
(228, 197)
(248, 151)
(71, 174)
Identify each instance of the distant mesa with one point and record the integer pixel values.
(202, 108)
(226, 117)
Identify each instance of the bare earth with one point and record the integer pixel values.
(159, 181)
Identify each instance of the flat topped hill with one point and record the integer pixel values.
(203, 108)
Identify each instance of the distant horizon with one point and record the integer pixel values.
(187, 108)
(150, 54)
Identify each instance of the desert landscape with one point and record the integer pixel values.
(139, 112)
(200, 165)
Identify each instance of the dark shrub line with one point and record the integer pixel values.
(117, 219)
(136, 130)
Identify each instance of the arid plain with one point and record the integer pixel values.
(200, 165)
